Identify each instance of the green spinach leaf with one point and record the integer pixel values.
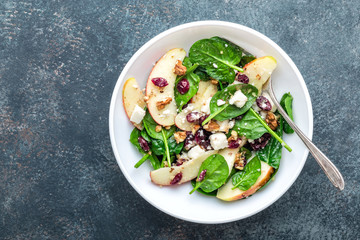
(212, 194)
(158, 146)
(246, 59)
(246, 178)
(218, 56)
(182, 99)
(271, 154)
(150, 126)
(135, 134)
(286, 104)
(217, 172)
(249, 126)
(231, 111)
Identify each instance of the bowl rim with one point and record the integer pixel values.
(152, 41)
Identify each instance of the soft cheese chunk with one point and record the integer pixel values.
(218, 141)
(137, 115)
(206, 107)
(195, 152)
(239, 99)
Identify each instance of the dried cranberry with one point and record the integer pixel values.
(234, 144)
(189, 141)
(183, 86)
(180, 162)
(202, 138)
(240, 77)
(202, 118)
(261, 142)
(160, 82)
(201, 175)
(176, 179)
(193, 117)
(239, 117)
(263, 103)
(143, 144)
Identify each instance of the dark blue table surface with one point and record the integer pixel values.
(59, 62)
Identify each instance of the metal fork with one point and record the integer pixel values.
(327, 166)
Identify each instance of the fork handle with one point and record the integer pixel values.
(327, 166)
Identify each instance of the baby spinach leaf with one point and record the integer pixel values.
(271, 154)
(283, 143)
(158, 146)
(150, 126)
(135, 134)
(182, 99)
(246, 59)
(154, 161)
(145, 135)
(249, 126)
(218, 56)
(286, 103)
(246, 178)
(202, 74)
(212, 194)
(217, 172)
(231, 111)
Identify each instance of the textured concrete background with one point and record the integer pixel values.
(59, 62)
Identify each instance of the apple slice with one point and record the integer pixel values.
(189, 170)
(206, 90)
(132, 96)
(164, 69)
(227, 194)
(259, 70)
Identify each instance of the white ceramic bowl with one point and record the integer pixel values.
(176, 200)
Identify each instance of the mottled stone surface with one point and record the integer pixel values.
(59, 62)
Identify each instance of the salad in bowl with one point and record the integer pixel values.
(205, 119)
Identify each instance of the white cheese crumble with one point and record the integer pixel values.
(220, 102)
(215, 65)
(239, 99)
(137, 115)
(226, 125)
(195, 152)
(206, 108)
(218, 141)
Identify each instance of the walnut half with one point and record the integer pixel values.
(211, 126)
(271, 120)
(240, 161)
(179, 68)
(161, 104)
(180, 136)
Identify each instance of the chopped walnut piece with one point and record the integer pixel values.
(146, 98)
(234, 136)
(158, 128)
(195, 128)
(167, 127)
(271, 120)
(179, 68)
(212, 126)
(161, 104)
(180, 136)
(214, 81)
(240, 161)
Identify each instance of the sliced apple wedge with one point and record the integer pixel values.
(132, 96)
(164, 69)
(206, 90)
(189, 170)
(259, 70)
(227, 194)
